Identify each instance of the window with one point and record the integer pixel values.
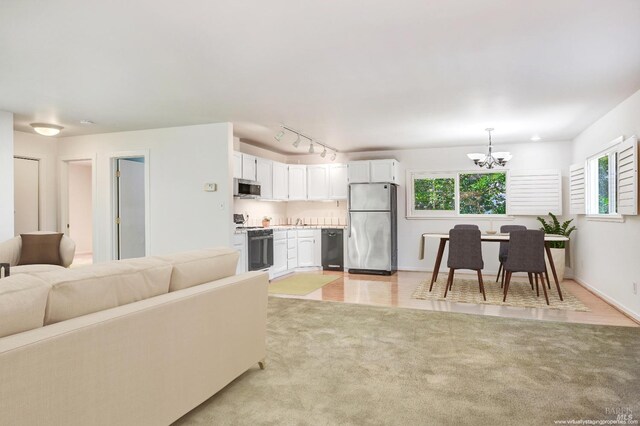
(450, 194)
(601, 183)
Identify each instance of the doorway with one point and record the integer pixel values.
(80, 209)
(26, 195)
(130, 210)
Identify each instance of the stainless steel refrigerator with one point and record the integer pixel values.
(372, 229)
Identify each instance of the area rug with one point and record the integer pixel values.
(520, 294)
(301, 284)
(344, 364)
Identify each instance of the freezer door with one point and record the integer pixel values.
(369, 196)
(369, 240)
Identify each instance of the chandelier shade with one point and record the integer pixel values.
(491, 159)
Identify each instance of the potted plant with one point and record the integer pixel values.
(557, 247)
(266, 221)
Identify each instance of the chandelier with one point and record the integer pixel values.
(491, 159)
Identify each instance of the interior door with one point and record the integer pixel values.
(26, 195)
(131, 209)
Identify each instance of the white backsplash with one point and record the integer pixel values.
(286, 213)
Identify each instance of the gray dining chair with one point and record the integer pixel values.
(465, 252)
(526, 254)
(504, 250)
(465, 226)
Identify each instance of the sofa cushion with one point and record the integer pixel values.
(23, 299)
(93, 288)
(201, 266)
(40, 249)
(34, 269)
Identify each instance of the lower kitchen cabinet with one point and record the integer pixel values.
(240, 244)
(295, 249)
(280, 253)
(309, 248)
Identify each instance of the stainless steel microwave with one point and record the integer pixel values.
(243, 188)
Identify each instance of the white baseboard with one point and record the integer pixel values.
(608, 299)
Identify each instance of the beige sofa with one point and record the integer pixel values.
(136, 342)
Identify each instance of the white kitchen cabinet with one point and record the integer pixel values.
(292, 250)
(297, 182)
(237, 165)
(280, 254)
(248, 167)
(384, 171)
(318, 182)
(264, 176)
(309, 248)
(240, 244)
(280, 181)
(358, 171)
(338, 183)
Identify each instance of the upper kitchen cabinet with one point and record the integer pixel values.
(338, 184)
(237, 165)
(264, 176)
(297, 182)
(248, 167)
(318, 182)
(358, 171)
(280, 181)
(385, 171)
(374, 171)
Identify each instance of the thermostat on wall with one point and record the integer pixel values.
(210, 187)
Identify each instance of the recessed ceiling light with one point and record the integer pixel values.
(87, 122)
(46, 129)
(535, 138)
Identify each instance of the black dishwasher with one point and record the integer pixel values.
(332, 249)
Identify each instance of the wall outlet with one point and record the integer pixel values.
(635, 288)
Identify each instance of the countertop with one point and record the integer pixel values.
(291, 227)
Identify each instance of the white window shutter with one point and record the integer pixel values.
(628, 177)
(534, 192)
(577, 188)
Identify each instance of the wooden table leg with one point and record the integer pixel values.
(436, 267)
(553, 269)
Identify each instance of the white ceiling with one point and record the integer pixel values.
(355, 74)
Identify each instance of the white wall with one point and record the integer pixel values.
(6, 175)
(182, 215)
(45, 149)
(80, 206)
(255, 210)
(606, 253)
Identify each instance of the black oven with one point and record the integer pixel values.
(260, 249)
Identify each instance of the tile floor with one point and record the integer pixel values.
(397, 290)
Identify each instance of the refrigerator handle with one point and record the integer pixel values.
(349, 208)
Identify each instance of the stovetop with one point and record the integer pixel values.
(249, 227)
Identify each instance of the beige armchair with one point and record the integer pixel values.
(10, 253)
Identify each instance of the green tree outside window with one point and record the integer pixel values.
(434, 194)
(603, 185)
(483, 193)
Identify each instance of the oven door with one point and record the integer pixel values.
(260, 252)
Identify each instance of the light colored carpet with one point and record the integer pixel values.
(344, 364)
(300, 284)
(520, 294)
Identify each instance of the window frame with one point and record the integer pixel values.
(592, 186)
(411, 213)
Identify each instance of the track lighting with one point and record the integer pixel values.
(300, 136)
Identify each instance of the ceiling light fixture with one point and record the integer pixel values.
(535, 138)
(299, 136)
(490, 160)
(46, 129)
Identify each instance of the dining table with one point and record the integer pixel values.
(496, 238)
